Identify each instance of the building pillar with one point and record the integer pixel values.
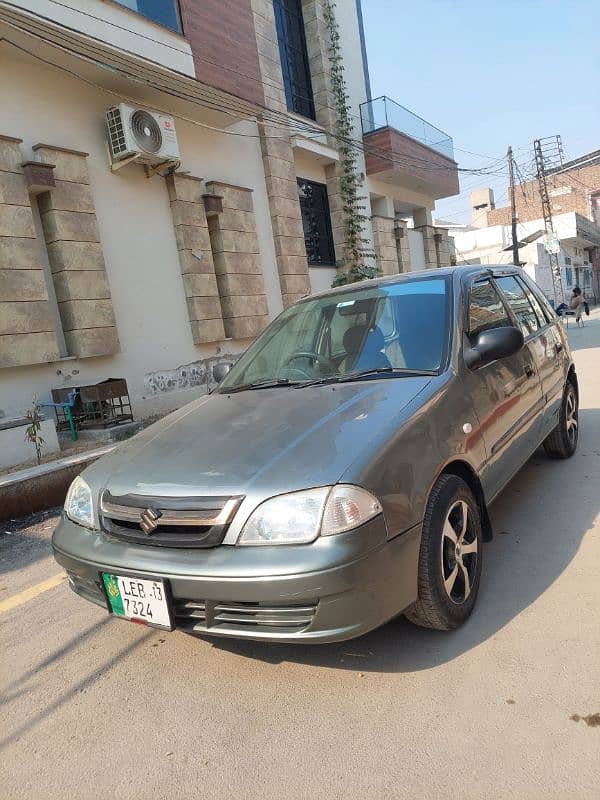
(195, 258)
(429, 245)
(75, 254)
(402, 246)
(27, 334)
(238, 264)
(442, 245)
(422, 216)
(384, 241)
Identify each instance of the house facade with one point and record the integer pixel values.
(579, 240)
(574, 191)
(152, 269)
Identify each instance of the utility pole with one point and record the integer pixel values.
(513, 209)
(549, 154)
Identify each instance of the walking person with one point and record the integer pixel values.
(577, 304)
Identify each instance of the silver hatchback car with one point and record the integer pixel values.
(341, 472)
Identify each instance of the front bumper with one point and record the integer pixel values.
(336, 588)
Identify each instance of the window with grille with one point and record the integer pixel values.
(316, 221)
(294, 57)
(165, 12)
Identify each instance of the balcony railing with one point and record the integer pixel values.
(385, 113)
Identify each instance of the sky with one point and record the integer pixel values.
(490, 74)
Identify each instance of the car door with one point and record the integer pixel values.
(506, 393)
(541, 339)
(553, 338)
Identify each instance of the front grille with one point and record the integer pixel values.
(198, 616)
(174, 521)
(89, 589)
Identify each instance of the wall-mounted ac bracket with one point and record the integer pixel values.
(120, 164)
(171, 167)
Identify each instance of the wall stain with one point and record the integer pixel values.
(187, 376)
(592, 720)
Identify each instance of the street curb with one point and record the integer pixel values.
(44, 486)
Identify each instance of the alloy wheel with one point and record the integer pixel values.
(572, 416)
(459, 552)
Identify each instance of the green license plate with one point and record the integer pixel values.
(138, 600)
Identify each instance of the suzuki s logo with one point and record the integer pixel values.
(149, 520)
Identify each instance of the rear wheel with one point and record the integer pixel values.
(450, 557)
(562, 442)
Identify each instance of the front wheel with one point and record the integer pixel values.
(562, 442)
(450, 557)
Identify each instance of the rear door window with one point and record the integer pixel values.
(486, 310)
(521, 307)
(548, 311)
(535, 303)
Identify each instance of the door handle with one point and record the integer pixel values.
(529, 371)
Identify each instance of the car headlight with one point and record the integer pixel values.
(299, 517)
(78, 504)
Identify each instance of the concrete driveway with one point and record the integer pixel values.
(509, 706)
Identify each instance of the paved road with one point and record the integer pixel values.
(506, 707)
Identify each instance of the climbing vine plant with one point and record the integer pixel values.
(357, 252)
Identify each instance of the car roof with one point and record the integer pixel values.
(467, 272)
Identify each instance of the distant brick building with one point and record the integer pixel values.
(573, 187)
(574, 190)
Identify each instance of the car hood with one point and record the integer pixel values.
(269, 440)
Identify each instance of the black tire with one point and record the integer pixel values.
(562, 442)
(436, 607)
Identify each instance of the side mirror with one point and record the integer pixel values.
(221, 370)
(493, 344)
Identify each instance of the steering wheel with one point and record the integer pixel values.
(315, 356)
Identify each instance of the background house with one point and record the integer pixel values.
(574, 189)
(153, 273)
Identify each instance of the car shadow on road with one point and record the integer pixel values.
(539, 523)
(72, 690)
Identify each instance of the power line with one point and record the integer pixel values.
(280, 119)
(217, 103)
(197, 56)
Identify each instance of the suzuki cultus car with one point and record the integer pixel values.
(341, 472)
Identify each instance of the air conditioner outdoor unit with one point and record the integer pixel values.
(146, 136)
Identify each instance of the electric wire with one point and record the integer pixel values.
(270, 116)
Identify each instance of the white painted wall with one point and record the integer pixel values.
(118, 27)
(15, 450)
(321, 278)
(134, 217)
(309, 168)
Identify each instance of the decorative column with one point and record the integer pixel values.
(442, 246)
(195, 258)
(238, 264)
(384, 241)
(402, 246)
(27, 334)
(75, 253)
(429, 245)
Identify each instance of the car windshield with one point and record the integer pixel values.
(386, 330)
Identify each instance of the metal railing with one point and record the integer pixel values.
(385, 113)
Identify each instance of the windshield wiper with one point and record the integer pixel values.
(401, 371)
(270, 384)
(366, 373)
